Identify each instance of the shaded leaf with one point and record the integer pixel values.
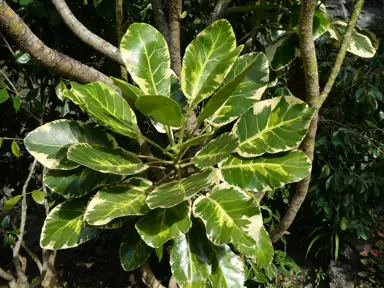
(161, 225)
(39, 196)
(283, 50)
(65, 227)
(3, 95)
(170, 194)
(15, 149)
(146, 56)
(133, 250)
(16, 102)
(49, 143)
(106, 160)
(265, 173)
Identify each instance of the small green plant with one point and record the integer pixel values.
(200, 199)
(320, 276)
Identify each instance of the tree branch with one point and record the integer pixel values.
(119, 16)
(85, 35)
(6, 276)
(342, 50)
(149, 278)
(312, 91)
(24, 207)
(219, 11)
(174, 37)
(160, 20)
(33, 256)
(48, 57)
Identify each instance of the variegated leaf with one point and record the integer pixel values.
(190, 258)
(161, 225)
(216, 150)
(283, 50)
(106, 106)
(232, 216)
(127, 89)
(172, 193)
(250, 89)
(265, 173)
(74, 183)
(207, 61)
(116, 201)
(360, 44)
(146, 56)
(65, 227)
(272, 126)
(49, 143)
(227, 268)
(106, 160)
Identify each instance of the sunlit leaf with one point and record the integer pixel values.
(11, 202)
(127, 89)
(39, 196)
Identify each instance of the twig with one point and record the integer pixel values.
(6, 43)
(149, 278)
(6, 276)
(24, 207)
(12, 139)
(33, 256)
(219, 11)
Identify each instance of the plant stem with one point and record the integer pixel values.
(12, 139)
(171, 138)
(156, 145)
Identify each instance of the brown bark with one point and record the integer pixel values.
(160, 19)
(312, 92)
(85, 35)
(48, 57)
(219, 11)
(119, 15)
(174, 37)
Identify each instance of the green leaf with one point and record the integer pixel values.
(190, 142)
(159, 253)
(227, 268)
(283, 50)
(146, 56)
(163, 109)
(133, 250)
(259, 277)
(231, 215)
(16, 102)
(216, 150)
(272, 126)
(190, 258)
(106, 160)
(250, 89)
(127, 89)
(271, 272)
(39, 196)
(65, 227)
(15, 149)
(3, 95)
(172, 193)
(22, 57)
(161, 225)
(114, 202)
(74, 183)
(10, 203)
(321, 22)
(1, 142)
(49, 143)
(360, 44)
(266, 173)
(207, 60)
(106, 106)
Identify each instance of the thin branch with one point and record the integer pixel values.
(33, 256)
(6, 276)
(219, 11)
(7, 44)
(308, 55)
(24, 207)
(12, 139)
(85, 35)
(342, 51)
(160, 19)
(174, 37)
(119, 15)
(48, 57)
(149, 278)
